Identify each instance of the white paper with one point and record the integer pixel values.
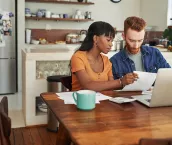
(147, 92)
(143, 83)
(68, 99)
(101, 97)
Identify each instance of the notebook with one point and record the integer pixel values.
(162, 92)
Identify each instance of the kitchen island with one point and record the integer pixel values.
(37, 64)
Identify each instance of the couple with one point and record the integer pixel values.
(94, 71)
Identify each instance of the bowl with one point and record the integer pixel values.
(36, 42)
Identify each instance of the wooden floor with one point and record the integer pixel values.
(32, 136)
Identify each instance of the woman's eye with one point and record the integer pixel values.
(109, 40)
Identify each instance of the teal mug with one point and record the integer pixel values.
(85, 99)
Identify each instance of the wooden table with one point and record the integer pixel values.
(109, 123)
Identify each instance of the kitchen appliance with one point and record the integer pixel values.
(82, 35)
(8, 60)
(72, 38)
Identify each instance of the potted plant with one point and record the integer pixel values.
(168, 35)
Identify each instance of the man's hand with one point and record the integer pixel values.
(129, 79)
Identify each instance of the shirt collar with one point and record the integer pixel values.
(124, 54)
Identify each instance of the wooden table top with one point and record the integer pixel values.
(110, 123)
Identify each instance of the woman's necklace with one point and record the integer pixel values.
(96, 64)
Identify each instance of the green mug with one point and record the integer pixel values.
(85, 99)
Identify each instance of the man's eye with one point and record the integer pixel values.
(132, 41)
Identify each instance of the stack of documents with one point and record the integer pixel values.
(68, 99)
(143, 83)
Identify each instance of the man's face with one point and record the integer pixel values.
(134, 40)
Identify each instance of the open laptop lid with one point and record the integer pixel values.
(162, 92)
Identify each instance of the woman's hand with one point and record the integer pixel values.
(129, 79)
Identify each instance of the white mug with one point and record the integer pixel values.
(48, 14)
(76, 17)
(78, 12)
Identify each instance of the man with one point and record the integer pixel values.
(135, 56)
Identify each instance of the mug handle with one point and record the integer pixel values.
(73, 95)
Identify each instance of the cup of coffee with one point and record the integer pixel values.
(85, 99)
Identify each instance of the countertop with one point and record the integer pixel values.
(60, 51)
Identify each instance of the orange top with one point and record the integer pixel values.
(79, 61)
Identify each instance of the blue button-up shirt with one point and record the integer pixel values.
(151, 57)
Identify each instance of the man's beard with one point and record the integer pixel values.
(130, 49)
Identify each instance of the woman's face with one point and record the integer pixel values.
(104, 43)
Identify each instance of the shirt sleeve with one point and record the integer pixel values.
(110, 73)
(77, 63)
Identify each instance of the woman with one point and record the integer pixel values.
(90, 68)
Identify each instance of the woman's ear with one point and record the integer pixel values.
(94, 38)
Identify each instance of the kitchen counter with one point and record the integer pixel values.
(52, 52)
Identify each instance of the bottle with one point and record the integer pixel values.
(89, 15)
(86, 15)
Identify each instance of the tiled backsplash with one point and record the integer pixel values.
(49, 68)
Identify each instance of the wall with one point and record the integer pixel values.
(155, 13)
(169, 13)
(114, 13)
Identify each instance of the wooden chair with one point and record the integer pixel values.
(67, 82)
(5, 122)
(157, 141)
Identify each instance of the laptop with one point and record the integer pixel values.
(161, 94)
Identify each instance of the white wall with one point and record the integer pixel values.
(103, 10)
(169, 13)
(154, 12)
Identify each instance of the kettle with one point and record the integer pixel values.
(82, 35)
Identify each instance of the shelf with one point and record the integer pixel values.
(58, 19)
(170, 27)
(60, 2)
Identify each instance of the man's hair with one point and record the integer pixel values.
(134, 23)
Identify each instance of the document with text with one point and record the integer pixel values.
(143, 83)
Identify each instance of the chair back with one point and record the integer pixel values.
(5, 122)
(67, 82)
